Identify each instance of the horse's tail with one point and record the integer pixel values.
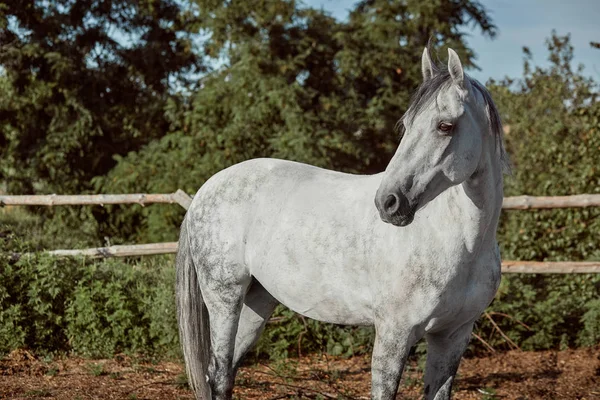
(192, 315)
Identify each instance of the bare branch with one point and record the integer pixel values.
(509, 340)
(486, 344)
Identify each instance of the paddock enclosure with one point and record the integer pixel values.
(499, 375)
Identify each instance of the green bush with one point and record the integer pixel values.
(88, 307)
(99, 308)
(118, 307)
(560, 310)
(555, 153)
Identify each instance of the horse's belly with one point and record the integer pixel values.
(322, 294)
(313, 258)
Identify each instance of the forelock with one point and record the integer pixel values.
(428, 92)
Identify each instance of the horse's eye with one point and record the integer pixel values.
(445, 127)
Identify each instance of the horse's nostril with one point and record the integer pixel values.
(392, 203)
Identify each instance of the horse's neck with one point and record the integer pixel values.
(474, 206)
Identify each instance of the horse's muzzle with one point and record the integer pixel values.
(394, 209)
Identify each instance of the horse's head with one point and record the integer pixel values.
(443, 142)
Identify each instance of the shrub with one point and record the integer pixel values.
(88, 307)
(118, 307)
(555, 153)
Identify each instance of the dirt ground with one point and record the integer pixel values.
(571, 374)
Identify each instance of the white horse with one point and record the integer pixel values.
(421, 260)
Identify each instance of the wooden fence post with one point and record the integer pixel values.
(182, 198)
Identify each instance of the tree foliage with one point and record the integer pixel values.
(554, 153)
(82, 81)
(294, 83)
(553, 120)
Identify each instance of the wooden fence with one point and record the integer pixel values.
(180, 197)
(184, 200)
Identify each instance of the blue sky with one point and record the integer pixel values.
(521, 23)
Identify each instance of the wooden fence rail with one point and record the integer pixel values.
(508, 267)
(183, 199)
(550, 267)
(121, 250)
(537, 202)
(180, 197)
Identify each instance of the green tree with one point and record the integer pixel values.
(293, 83)
(82, 81)
(554, 153)
(552, 116)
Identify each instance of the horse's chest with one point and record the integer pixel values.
(466, 296)
(438, 289)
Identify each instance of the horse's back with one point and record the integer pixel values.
(243, 183)
(226, 207)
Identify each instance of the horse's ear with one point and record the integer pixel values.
(455, 68)
(426, 65)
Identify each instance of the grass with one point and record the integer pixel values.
(488, 393)
(39, 393)
(96, 369)
(181, 382)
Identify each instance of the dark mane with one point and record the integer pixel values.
(441, 79)
(427, 92)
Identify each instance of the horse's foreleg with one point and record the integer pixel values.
(391, 349)
(444, 351)
(258, 307)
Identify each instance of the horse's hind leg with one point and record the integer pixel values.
(258, 307)
(224, 299)
(444, 351)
